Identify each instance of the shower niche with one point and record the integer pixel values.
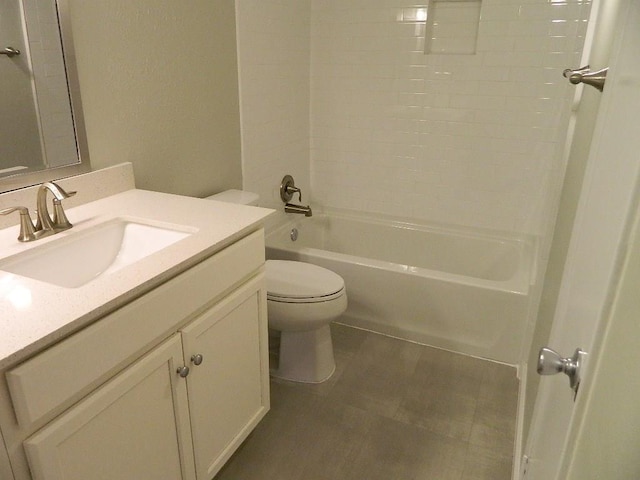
(452, 27)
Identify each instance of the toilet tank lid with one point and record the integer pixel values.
(236, 196)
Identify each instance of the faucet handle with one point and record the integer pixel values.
(291, 190)
(60, 220)
(288, 188)
(58, 192)
(27, 230)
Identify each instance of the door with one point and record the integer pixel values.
(607, 204)
(228, 382)
(136, 426)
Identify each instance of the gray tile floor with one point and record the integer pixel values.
(393, 410)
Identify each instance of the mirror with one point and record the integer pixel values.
(42, 134)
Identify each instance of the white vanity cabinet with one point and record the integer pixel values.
(166, 387)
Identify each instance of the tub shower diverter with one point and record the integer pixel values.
(81, 256)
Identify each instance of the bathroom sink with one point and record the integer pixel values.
(78, 258)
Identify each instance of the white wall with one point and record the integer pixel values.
(274, 58)
(472, 140)
(159, 88)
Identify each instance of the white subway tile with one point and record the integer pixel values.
(505, 12)
(464, 135)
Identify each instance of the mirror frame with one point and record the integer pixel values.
(21, 180)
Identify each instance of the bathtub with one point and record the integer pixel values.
(450, 288)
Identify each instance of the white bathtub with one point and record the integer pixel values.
(463, 291)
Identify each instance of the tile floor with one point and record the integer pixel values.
(393, 410)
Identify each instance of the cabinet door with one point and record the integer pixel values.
(229, 389)
(135, 426)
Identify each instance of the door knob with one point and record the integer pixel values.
(551, 362)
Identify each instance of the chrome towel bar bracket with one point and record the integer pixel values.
(9, 51)
(585, 75)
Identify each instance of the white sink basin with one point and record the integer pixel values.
(78, 258)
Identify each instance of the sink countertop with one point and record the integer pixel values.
(36, 314)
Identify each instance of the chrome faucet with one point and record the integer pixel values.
(287, 189)
(45, 222)
(293, 208)
(45, 225)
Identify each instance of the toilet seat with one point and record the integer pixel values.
(302, 300)
(298, 282)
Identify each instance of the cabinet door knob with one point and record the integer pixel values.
(196, 359)
(183, 371)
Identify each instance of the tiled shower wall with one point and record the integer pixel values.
(274, 63)
(472, 140)
(461, 139)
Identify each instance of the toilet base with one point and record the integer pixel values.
(306, 357)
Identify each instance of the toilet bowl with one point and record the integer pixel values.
(302, 300)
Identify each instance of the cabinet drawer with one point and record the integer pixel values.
(53, 380)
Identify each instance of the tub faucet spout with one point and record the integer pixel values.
(293, 208)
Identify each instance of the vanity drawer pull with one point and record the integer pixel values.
(183, 371)
(196, 359)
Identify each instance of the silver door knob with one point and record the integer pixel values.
(551, 362)
(183, 371)
(196, 359)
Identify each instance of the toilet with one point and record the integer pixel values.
(302, 300)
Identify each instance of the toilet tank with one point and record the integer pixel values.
(236, 196)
